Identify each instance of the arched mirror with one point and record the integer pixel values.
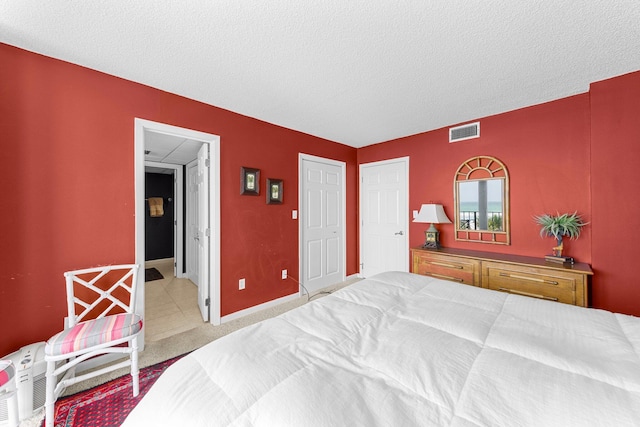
(481, 199)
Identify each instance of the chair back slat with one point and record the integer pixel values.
(94, 293)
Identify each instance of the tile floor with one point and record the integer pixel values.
(171, 304)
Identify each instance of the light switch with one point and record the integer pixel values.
(294, 214)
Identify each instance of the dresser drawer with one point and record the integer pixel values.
(527, 276)
(554, 285)
(457, 269)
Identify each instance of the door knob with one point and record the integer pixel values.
(399, 233)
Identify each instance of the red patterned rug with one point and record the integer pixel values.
(107, 404)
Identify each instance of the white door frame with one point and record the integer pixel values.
(140, 126)
(178, 227)
(343, 214)
(405, 160)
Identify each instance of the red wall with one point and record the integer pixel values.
(546, 151)
(68, 188)
(579, 153)
(615, 142)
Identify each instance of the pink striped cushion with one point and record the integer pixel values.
(93, 332)
(7, 372)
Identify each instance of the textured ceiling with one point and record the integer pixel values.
(356, 72)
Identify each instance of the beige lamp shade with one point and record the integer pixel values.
(432, 213)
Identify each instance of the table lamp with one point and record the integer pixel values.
(434, 214)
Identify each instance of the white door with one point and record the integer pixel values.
(192, 223)
(176, 242)
(203, 234)
(322, 208)
(384, 217)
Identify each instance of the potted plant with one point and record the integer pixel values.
(559, 226)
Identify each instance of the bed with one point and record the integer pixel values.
(399, 349)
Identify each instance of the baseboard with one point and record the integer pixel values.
(256, 308)
(275, 302)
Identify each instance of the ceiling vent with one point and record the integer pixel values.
(460, 133)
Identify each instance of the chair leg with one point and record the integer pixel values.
(135, 373)
(50, 399)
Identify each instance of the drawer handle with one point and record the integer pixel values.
(442, 276)
(442, 264)
(527, 294)
(532, 279)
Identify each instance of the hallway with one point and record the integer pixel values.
(171, 304)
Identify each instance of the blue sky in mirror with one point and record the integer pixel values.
(468, 191)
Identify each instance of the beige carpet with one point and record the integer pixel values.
(158, 351)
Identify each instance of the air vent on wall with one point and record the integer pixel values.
(468, 131)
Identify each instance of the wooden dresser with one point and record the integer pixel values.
(521, 275)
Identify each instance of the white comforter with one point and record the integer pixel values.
(406, 350)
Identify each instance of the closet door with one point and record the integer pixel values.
(384, 217)
(322, 214)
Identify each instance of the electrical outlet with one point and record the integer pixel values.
(284, 274)
(241, 284)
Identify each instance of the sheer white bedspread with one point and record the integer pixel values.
(400, 349)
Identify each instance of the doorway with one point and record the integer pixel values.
(170, 135)
(165, 180)
(160, 234)
(384, 216)
(322, 222)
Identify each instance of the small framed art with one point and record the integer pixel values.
(274, 191)
(249, 181)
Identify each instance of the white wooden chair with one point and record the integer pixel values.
(8, 391)
(101, 308)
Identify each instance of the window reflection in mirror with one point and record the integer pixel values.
(481, 205)
(481, 201)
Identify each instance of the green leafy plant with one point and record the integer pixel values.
(495, 223)
(560, 225)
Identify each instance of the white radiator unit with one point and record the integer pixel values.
(30, 381)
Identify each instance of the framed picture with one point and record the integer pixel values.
(249, 181)
(274, 191)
